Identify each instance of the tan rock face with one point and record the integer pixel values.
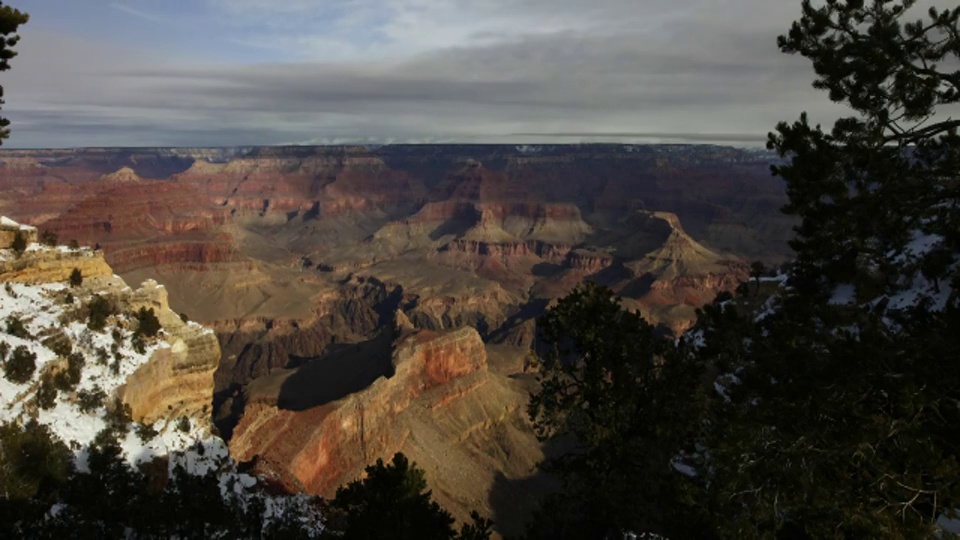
(178, 379)
(49, 266)
(320, 447)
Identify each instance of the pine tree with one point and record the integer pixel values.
(842, 420)
(391, 502)
(76, 278)
(10, 21)
(20, 366)
(19, 244)
(628, 402)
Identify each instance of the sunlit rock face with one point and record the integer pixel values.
(320, 447)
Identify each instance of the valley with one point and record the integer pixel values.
(369, 300)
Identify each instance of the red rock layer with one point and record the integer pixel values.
(317, 447)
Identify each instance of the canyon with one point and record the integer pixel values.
(369, 300)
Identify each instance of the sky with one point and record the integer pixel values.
(261, 72)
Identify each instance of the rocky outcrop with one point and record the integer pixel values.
(184, 255)
(319, 448)
(51, 265)
(178, 379)
(10, 229)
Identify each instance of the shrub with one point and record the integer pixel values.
(21, 365)
(48, 238)
(183, 424)
(99, 309)
(145, 432)
(19, 243)
(74, 244)
(4, 351)
(35, 463)
(68, 299)
(15, 327)
(68, 379)
(147, 323)
(91, 400)
(47, 394)
(9, 288)
(117, 336)
(139, 346)
(118, 417)
(76, 278)
(102, 356)
(184, 318)
(61, 346)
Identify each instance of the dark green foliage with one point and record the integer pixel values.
(833, 421)
(99, 309)
(76, 278)
(33, 463)
(15, 327)
(48, 238)
(479, 528)
(113, 500)
(10, 21)
(118, 418)
(139, 346)
(145, 432)
(117, 335)
(626, 402)
(860, 188)
(4, 351)
(184, 318)
(46, 393)
(69, 378)
(20, 366)
(90, 400)
(102, 356)
(391, 502)
(73, 244)
(147, 323)
(19, 244)
(183, 424)
(68, 299)
(62, 346)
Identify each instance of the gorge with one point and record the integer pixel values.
(369, 300)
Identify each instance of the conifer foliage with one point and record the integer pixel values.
(393, 502)
(832, 409)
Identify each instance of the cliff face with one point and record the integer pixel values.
(171, 377)
(41, 265)
(267, 245)
(320, 448)
(178, 379)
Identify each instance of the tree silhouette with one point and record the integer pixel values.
(10, 21)
(391, 502)
(76, 278)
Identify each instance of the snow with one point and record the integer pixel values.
(196, 450)
(843, 295)
(7, 222)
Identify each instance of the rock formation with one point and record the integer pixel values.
(302, 260)
(178, 379)
(438, 404)
(9, 229)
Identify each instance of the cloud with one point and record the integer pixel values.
(427, 70)
(129, 10)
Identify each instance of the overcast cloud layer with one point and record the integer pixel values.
(244, 72)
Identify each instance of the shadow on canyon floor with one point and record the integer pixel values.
(514, 501)
(347, 369)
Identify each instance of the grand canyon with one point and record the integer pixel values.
(375, 299)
